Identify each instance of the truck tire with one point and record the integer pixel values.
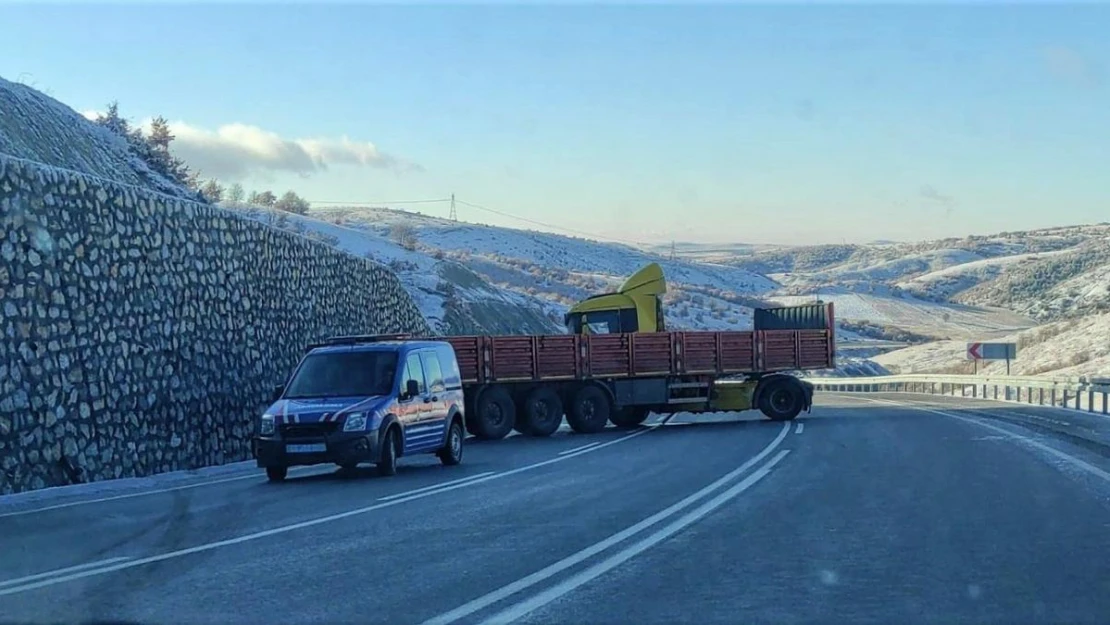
(541, 414)
(589, 410)
(471, 412)
(629, 417)
(495, 414)
(782, 399)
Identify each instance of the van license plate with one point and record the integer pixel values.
(314, 448)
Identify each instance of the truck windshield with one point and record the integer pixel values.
(345, 374)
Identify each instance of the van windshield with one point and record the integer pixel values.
(344, 374)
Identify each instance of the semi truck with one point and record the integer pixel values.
(618, 363)
(355, 399)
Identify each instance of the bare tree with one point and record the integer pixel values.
(404, 235)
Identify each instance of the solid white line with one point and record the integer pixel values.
(435, 486)
(301, 525)
(514, 612)
(800, 428)
(571, 451)
(1076, 462)
(171, 489)
(79, 567)
(539, 576)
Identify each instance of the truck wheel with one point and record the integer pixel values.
(387, 465)
(496, 414)
(452, 452)
(629, 417)
(471, 419)
(589, 412)
(277, 474)
(781, 400)
(542, 413)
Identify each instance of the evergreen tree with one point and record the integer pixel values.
(290, 202)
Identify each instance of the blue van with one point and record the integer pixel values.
(365, 399)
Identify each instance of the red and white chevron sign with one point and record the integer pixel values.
(991, 351)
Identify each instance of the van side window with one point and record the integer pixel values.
(434, 373)
(414, 371)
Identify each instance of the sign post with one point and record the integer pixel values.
(992, 351)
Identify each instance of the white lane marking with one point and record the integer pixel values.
(70, 569)
(539, 576)
(518, 610)
(571, 451)
(1070, 459)
(800, 428)
(435, 486)
(303, 524)
(82, 502)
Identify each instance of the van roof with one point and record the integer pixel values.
(377, 346)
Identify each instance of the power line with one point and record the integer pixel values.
(588, 235)
(454, 215)
(350, 203)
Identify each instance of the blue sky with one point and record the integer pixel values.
(714, 123)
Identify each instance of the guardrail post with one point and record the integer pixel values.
(1078, 400)
(1065, 399)
(1040, 396)
(996, 391)
(1090, 400)
(1105, 409)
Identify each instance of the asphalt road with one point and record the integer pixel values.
(885, 508)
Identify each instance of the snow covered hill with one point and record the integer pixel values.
(1048, 274)
(38, 128)
(561, 270)
(451, 297)
(1071, 347)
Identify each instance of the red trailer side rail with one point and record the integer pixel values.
(489, 359)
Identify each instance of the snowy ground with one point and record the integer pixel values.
(559, 270)
(1064, 348)
(423, 275)
(920, 316)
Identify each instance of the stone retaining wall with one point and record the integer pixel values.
(142, 333)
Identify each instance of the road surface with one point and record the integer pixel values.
(885, 508)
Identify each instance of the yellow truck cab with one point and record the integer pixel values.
(637, 306)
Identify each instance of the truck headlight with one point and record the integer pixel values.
(355, 422)
(267, 425)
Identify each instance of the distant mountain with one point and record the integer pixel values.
(1048, 274)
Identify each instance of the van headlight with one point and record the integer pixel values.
(355, 422)
(267, 425)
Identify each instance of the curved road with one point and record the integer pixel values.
(885, 508)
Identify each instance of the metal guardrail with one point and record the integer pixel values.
(1081, 393)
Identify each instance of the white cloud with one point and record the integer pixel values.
(238, 151)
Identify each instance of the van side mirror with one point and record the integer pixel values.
(412, 389)
(278, 390)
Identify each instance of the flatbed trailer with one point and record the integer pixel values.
(530, 382)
